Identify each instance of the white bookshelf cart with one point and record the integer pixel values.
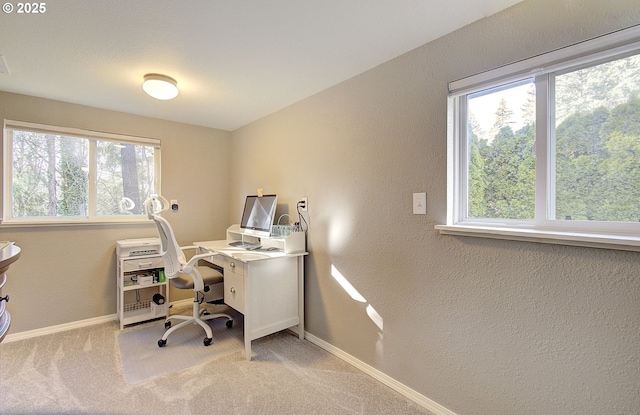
(138, 272)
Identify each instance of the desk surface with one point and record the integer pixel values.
(223, 248)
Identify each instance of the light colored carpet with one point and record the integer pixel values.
(143, 360)
(80, 371)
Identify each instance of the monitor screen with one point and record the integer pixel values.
(258, 214)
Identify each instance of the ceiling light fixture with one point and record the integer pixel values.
(160, 86)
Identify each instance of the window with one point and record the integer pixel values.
(549, 147)
(62, 175)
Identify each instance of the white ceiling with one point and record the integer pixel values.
(235, 60)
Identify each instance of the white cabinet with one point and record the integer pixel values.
(266, 292)
(139, 279)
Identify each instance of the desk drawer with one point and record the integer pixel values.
(234, 290)
(234, 266)
(217, 260)
(142, 263)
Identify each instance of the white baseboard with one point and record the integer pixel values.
(73, 325)
(60, 327)
(421, 400)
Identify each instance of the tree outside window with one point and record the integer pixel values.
(53, 175)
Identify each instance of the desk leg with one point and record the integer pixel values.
(247, 344)
(301, 296)
(248, 313)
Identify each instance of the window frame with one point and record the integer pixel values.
(540, 70)
(92, 137)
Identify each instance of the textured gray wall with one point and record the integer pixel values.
(480, 326)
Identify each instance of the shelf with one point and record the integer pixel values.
(139, 287)
(142, 311)
(294, 243)
(136, 316)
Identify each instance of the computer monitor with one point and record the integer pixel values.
(258, 214)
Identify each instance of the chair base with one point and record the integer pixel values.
(199, 317)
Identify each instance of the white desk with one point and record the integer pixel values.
(267, 287)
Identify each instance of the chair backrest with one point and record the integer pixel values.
(172, 255)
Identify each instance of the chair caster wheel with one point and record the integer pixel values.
(167, 324)
(162, 343)
(207, 341)
(229, 323)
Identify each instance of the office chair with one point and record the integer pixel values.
(184, 274)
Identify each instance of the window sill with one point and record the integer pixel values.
(592, 240)
(79, 222)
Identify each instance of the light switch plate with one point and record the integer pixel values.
(419, 203)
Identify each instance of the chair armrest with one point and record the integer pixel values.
(189, 247)
(194, 259)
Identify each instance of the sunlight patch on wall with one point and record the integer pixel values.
(353, 293)
(339, 229)
(346, 285)
(372, 313)
(374, 316)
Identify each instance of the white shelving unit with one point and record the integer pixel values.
(135, 294)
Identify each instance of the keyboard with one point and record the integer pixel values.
(246, 245)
